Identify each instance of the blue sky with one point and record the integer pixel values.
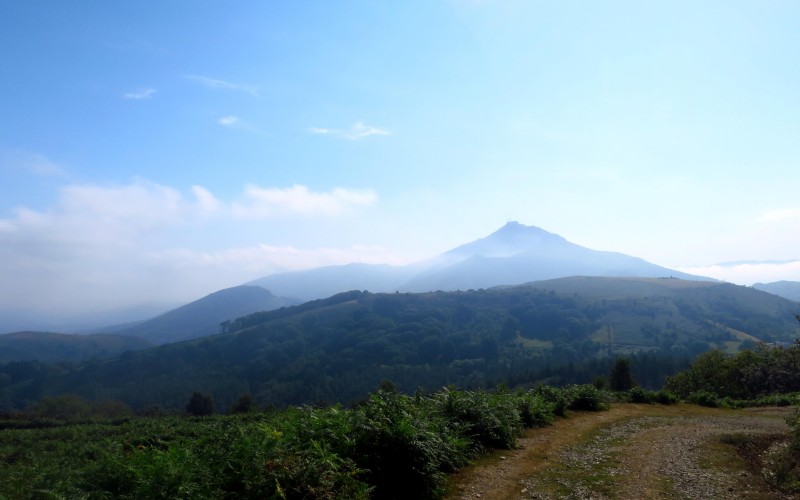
(155, 152)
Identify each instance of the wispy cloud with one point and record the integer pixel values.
(234, 122)
(214, 83)
(357, 131)
(30, 163)
(228, 121)
(298, 199)
(140, 94)
(267, 259)
(780, 215)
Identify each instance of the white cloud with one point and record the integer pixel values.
(357, 131)
(140, 94)
(214, 83)
(748, 273)
(206, 201)
(298, 199)
(105, 247)
(781, 215)
(228, 121)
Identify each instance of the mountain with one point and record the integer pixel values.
(518, 254)
(47, 347)
(329, 280)
(338, 349)
(786, 289)
(514, 254)
(204, 316)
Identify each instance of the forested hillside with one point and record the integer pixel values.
(48, 347)
(337, 349)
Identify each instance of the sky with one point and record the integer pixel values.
(151, 153)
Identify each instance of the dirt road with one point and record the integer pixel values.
(629, 452)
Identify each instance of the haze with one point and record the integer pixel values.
(153, 153)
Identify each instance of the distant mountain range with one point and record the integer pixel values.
(786, 289)
(513, 255)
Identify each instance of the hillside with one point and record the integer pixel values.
(204, 316)
(337, 349)
(786, 289)
(512, 255)
(47, 347)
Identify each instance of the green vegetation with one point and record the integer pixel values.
(47, 347)
(389, 446)
(335, 350)
(756, 374)
(620, 378)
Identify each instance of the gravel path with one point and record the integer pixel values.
(629, 452)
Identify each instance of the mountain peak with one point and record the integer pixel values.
(511, 239)
(514, 228)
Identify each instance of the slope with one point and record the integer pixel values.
(204, 316)
(337, 349)
(514, 254)
(786, 289)
(518, 254)
(47, 347)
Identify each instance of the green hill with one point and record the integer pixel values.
(337, 349)
(204, 316)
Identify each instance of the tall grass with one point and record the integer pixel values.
(390, 446)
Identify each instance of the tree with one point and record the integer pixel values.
(620, 378)
(200, 405)
(245, 404)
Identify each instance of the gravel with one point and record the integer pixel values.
(629, 454)
(659, 457)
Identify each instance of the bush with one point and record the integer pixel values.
(665, 397)
(585, 398)
(533, 410)
(705, 398)
(405, 448)
(490, 420)
(639, 395)
(554, 396)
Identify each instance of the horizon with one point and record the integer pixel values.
(153, 155)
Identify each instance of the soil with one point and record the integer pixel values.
(632, 452)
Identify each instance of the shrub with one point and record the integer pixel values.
(534, 410)
(639, 395)
(705, 398)
(586, 398)
(555, 396)
(665, 397)
(489, 420)
(405, 448)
